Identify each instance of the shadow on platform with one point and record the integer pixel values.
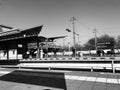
(48, 79)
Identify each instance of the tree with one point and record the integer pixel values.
(78, 47)
(90, 45)
(106, 38)
(118, 42)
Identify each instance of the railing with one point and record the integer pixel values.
(91, 63)
(74, 58)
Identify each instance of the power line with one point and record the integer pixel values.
(83, 24)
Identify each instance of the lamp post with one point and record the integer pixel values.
(68, 30)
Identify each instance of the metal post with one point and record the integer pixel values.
(7, 54)
(74, 41)
(113, 68)
(49, 68)
(91, 69)
(38, 49)
(68, 39)
(46, 48)
(95, 31)
(69, 43)
(19, 66)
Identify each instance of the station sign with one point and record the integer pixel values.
(105, 45)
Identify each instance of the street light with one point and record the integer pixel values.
(68, 30)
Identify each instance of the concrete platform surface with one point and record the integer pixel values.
(29, 79)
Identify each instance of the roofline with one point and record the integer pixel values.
(6, 26)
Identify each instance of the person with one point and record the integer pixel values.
(103, 53)
(73, 51)
(98, 52)
(45, 51)
(80, 54)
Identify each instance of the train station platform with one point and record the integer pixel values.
(29, 79)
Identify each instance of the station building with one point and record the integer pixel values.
(20, 44)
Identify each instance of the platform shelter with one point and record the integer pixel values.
(18, 44)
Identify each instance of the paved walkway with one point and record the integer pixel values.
(57, 80)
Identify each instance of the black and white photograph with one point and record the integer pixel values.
(59, 44)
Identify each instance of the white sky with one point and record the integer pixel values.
(55, 16)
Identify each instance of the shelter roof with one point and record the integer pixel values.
(18, 34)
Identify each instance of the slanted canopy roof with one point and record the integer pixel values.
(19, 34)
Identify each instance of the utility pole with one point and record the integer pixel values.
(68, 30)
(64, 43)
(95, 32)
(73, 19)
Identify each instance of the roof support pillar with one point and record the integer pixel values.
(38, 50)
(7, 54)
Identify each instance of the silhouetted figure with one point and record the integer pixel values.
(111, 52)
(73, 51)
(80, 54)
(55, 50)
(103, 53)
(45, 53)
(99, 53)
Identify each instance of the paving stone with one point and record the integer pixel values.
(102, 80)
(113, 81)
(99, 87)
(92, 79)
(76, 80)
(112, 87)
(85, 87)
(73, 85)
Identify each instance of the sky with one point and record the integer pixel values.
(55, 15)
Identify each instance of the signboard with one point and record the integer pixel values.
(42, 45)
(32, 45)
(106, 45)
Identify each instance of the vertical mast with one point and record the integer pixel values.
(73, 19)
(95, 32)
